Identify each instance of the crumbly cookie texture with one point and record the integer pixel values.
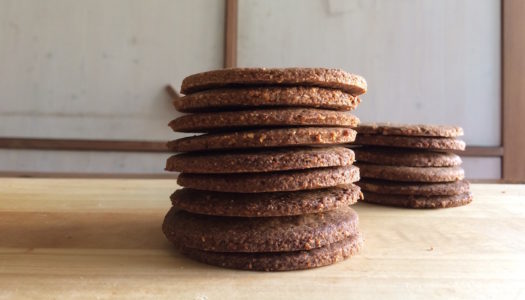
(271, 234)
(430, 143)
(263, 138)
(281, 261)
(244, 161)
(419, 188)
(406, 157)
(321, 77)
(272, 96)
(411, 174)
(419, 201)
(265, 204)
(410, 130)
(217, 121)
(271, 181)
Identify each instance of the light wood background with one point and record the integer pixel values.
(96, 69)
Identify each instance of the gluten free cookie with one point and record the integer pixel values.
(429, 143)
(270, 234)
(281, 261)
(411, 174)
(410, 130)
(271, 181)
(263, 138)
(261, 97)
(406, 157)
(265, 204)
(408, 188)
(412, 201)
(220, 121)
(260, 160)
(320, 77)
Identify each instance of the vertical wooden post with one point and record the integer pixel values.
(513, 90)
(230, 41)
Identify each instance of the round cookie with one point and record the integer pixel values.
(228, 120)
(271, 181)
(430, 143)
(406, 157)
(419, 201)
(281, 261)
(265, 204)
(407, 188)
(262, 138)
(410, 130)
(320, 77)
(260, 160)
(411, 174)
(242, 98)
(271, 234)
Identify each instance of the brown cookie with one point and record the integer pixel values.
(410, 130)
(419, 201)
(281, 261)
(263, 138)
(273, 96)
(406, 157)
(270, 234)
(271, 181)
(406, 188)
(260, 160)
(430, 143)
(411, 174)
(321, 77)
(265, 204)
(228, 120)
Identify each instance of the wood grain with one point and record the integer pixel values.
(513, 89)
(64, 238)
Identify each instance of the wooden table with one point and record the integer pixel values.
(90, 238)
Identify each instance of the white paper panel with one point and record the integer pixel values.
(482, 167)
(97, 69)
(427, 61)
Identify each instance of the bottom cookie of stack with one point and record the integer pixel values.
(265, 243)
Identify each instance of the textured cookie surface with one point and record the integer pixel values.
(296, 96)
(263, 138)
(271, 181)
(419, 201)
(411, 130)
(321, 77)
(265, 204)
(269, 234)
(420, 188)
(430, 143)
(412, 174)
(260, 160)
(217, 121)
(406, 157)
(281, 261)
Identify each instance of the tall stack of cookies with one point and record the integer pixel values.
(412, 165)
(268, 184)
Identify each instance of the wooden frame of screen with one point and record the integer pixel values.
(511, 150)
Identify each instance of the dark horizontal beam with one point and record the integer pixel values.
(495, 151)
(83, 145)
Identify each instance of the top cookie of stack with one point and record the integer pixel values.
(412, 165)
(270, 153)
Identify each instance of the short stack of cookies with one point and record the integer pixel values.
(268, 184)
(412, 165)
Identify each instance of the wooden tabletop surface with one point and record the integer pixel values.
(100, 238)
